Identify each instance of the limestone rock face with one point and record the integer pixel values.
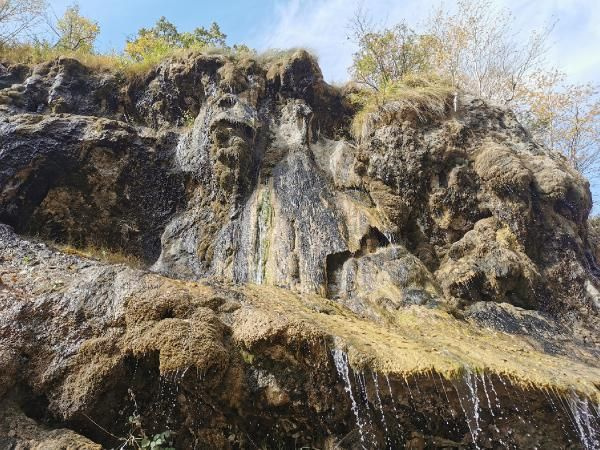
(595, 237)
(279, 261)
(113, 353)
(264, 187)
(88, 181)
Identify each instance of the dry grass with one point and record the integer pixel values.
(278, 56)
(415, 98)
(419, 341)
(594, 234)
(101, 254)
(30, 54)
(594, 224)
(114, 62)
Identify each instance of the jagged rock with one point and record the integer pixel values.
(19, 432)
(88, 181)
(88, 344)
(488, 264)
(373, 280)
(261, 150)
(224, 173)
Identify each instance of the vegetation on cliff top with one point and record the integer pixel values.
(400, 71)
(476, 49)
(75, 36)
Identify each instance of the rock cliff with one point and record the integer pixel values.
(433, 283)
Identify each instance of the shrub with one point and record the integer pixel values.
(416, 97)
(154, 44)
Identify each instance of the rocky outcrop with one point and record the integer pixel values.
(594, 235)
(88, 181)
(294, 282)
(90, 345)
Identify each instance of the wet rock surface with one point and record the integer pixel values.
(453, 254)
(86, 345)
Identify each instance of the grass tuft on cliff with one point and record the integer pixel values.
(594, 235)
(36, 54)
(101, 254)
(31, 54)
(416, 98)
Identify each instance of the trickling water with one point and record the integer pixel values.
(473, 430)
(495, 394)
(390, 237)
(340, 359)
(362, 388)
(387, 379)
(486, 394)
(443, 388)
(587, 423)
(383, 421)
(471, 382)
(555, 409)
(409, 390)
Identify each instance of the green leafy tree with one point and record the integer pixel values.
(155, 42)
(386, 56)
(75, 32)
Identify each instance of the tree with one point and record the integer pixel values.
(75, 32)
(151, 43)
(213, 37)
(386, 56)
(475, 49)
(564, 117)
(19, 16)
(479, 51)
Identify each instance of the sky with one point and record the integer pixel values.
(322, 26)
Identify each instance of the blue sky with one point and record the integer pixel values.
(321, 26)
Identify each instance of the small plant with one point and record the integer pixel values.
(247, 356)
(187, 118)
(138, 439)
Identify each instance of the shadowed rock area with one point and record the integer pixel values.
(433, 284)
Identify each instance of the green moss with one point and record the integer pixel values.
(247, 356)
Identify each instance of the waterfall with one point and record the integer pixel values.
(471, 382)
(586, 421)
(380, 404)
(476, 394)
(471, 402)
(340, 359)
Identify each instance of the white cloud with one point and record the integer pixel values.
(321, 26)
